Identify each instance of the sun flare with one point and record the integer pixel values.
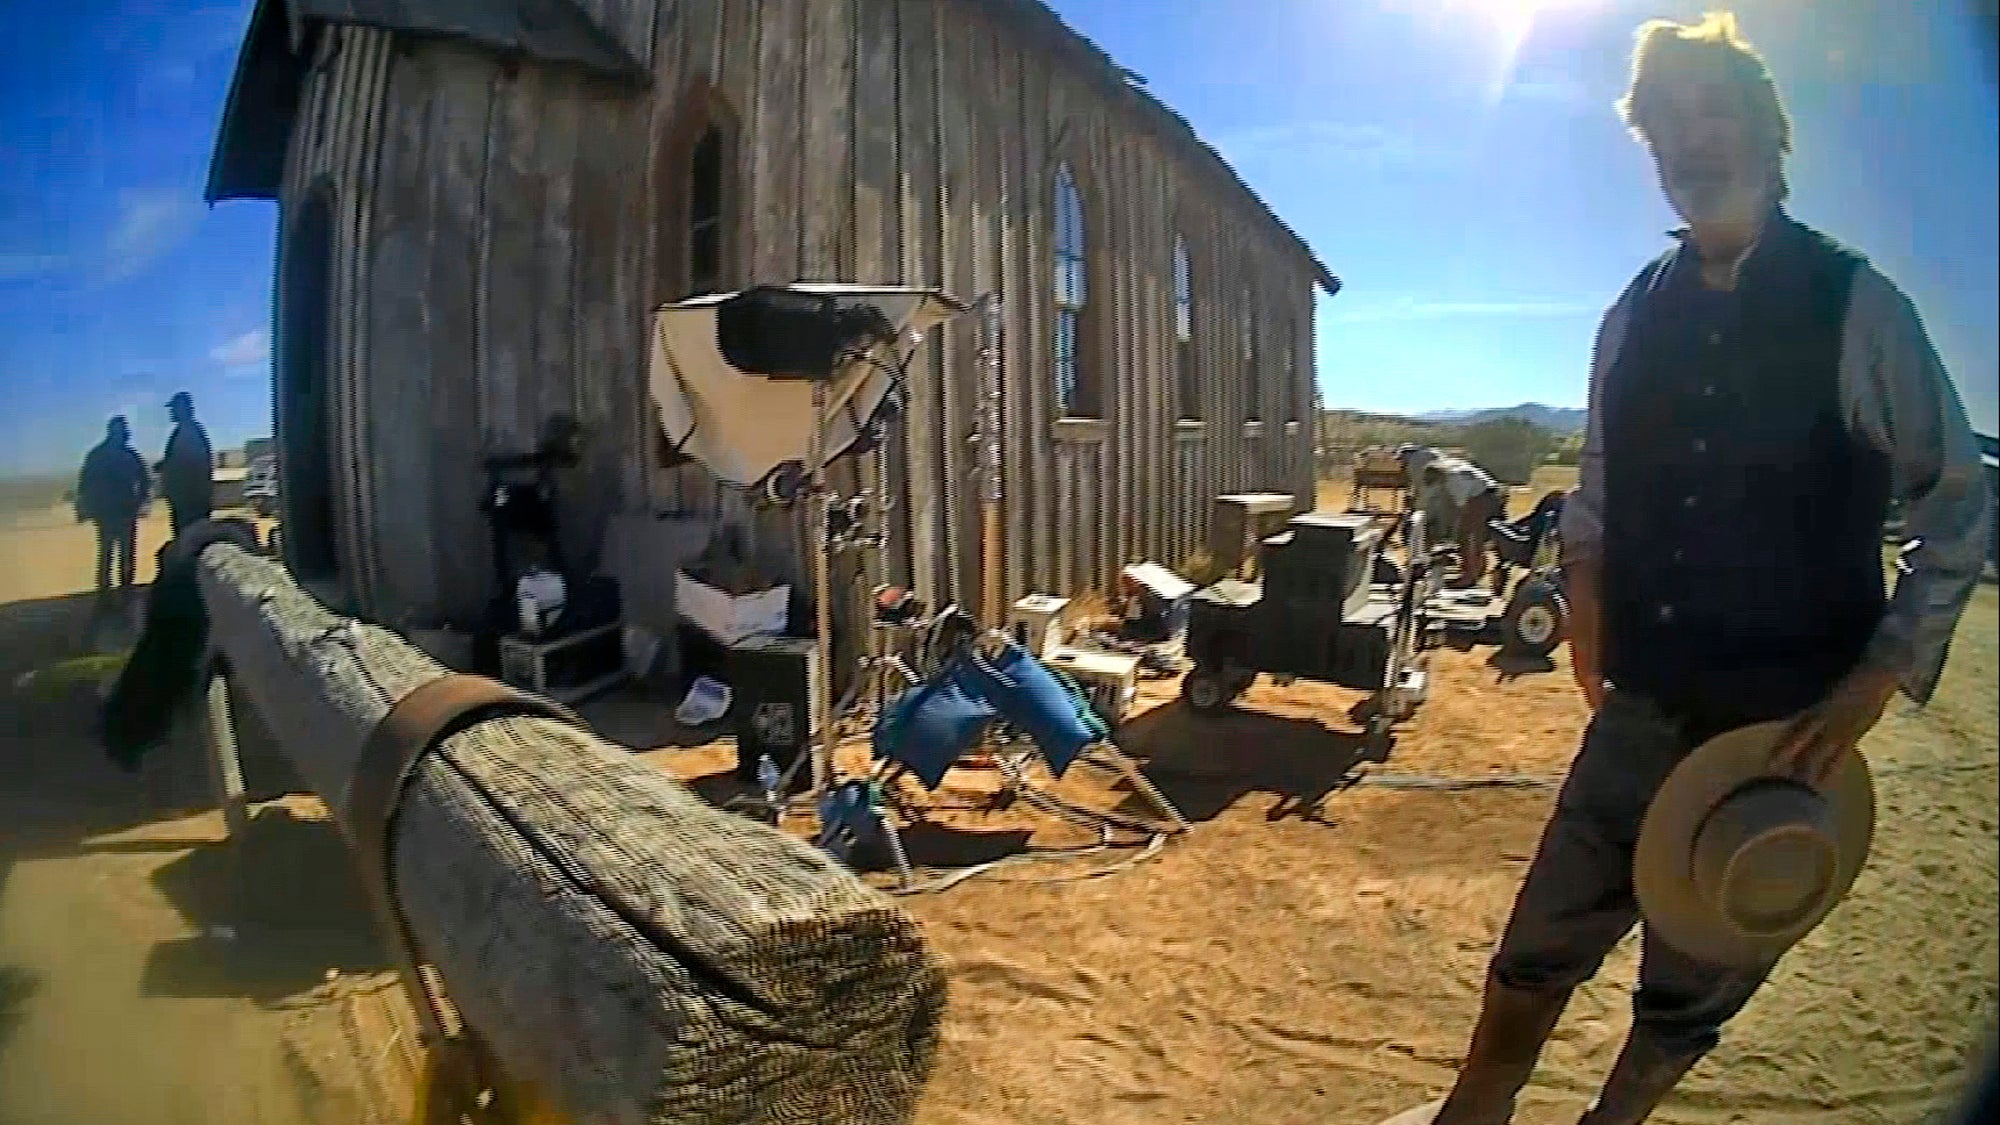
(1511, 22)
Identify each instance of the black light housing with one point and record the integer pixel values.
(784, 333)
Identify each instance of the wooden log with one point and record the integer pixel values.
(629, 950)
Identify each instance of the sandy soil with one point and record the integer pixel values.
(1311, 953)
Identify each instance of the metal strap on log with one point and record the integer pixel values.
(628, 951)
(414, 726)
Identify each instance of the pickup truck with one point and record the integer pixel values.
(260, 487)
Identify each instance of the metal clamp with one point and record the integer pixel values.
(416, 724)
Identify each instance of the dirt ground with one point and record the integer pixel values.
(1311, 953)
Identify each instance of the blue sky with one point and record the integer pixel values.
(1456, 162)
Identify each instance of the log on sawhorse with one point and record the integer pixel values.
(618, 945)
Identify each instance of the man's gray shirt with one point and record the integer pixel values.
(1896, 397)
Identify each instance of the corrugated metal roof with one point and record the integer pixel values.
(263, 95)
(249, 157)
(550, 30)
(248, 162)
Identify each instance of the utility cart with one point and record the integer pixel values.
(1525, 609)
(1316, 614)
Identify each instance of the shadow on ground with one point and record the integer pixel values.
(17, 987)
(1510, 665)
(276, 909)
(36, 632)
(286, 889)
(638, 717)
(1513, 665)
(1206, 764)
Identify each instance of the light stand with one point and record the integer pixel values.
(992, 609)
(818, 499)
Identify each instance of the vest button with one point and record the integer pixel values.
(1708, 391)
(1700, 445)
(1666, 614)
(1715, 338)
(1689, 501)
(1680, 555)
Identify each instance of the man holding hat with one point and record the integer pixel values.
(1758, 396)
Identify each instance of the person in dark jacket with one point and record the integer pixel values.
(110, 491)
(1758, 396)
(187, 469)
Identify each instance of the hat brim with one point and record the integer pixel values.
(1673, 910)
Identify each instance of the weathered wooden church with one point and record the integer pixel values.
(481, 201)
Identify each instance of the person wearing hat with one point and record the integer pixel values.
(1758, 395)
(187, 468)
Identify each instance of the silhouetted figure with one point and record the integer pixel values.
(187, 469)
(110, 491)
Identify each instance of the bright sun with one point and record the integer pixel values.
(1512, 21)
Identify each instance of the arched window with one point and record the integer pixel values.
(704, 232)
(696, 196)
(695, 178)
(1295, 390)
(1187, 383)
(1253, 382)
(1070, 293)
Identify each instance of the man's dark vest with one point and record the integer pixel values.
(1742, 558)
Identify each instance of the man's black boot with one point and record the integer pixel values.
(1639, 1081)
(1513, 1025)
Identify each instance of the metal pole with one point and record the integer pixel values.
(225, 764)
(992, 586)
(820, 732)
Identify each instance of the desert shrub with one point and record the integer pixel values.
(1567, 450)
(1508, 448)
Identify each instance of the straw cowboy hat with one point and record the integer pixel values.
(1735, 863)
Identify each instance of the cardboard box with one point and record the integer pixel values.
(1110, 678)
(1037, 620)
(730, 618)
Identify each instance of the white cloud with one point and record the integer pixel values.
(244, 355)
(1410, 308)
(151, 223)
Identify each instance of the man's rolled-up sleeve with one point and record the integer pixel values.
(1900, 401)
(1582, 526)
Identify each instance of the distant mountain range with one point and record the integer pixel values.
(1561, 419)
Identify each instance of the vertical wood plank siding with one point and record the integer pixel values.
(493, 265)
(335, 147)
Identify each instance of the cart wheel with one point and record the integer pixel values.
(1536, 618)
(1206, 692)
(1240, 683)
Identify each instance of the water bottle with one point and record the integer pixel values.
(767, 777)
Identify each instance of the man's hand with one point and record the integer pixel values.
(1585, 662)
(1592, 684)
(1817, 738)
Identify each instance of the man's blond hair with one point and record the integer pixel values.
(1665, 48)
